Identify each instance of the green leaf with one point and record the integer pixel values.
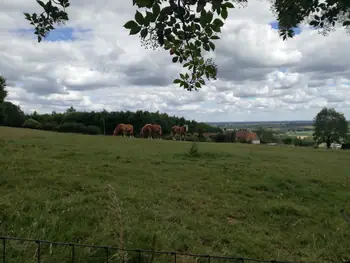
(216, 28)
(218, 22)
(346, 23)
(206, 47)
(130, 24)
(176, 81)
(156, 9)
(166, 11)
(182, 76)
(214, 37)
(144, 32)
(139, 18)
(175, 59)
(209, 17)
(198, 85)
(224, 13)
(212, 45)
(228, 5)
(135, 30)
(202, 19)
(27, 16)
(41, 3)
(147, 18)
(209, 31)
(313, 23)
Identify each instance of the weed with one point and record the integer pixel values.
(193, 151)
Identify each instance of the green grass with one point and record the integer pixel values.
(300, 133)
(235, 199)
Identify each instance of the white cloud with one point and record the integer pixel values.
(261, 77)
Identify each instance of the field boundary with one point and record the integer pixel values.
(6, 241)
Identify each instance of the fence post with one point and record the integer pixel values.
(139, 251)
(3, 250)
(107, 255)
(73, 253)
(38, 251)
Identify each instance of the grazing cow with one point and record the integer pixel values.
(179, 130)
(125, 129)
(151, 129)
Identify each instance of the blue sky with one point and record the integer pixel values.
(67, 33)
(274, 25)
(59, 34)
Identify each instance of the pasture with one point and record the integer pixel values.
(244, 200)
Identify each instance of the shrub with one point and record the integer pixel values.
(93, 130)
(73, 127)
(220, 137)
(345, 146)
(11, 115)
(193, 151)
(31, 124)
(48, 126)
(287, 140)
(304, 143)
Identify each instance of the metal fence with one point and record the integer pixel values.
(22, 250)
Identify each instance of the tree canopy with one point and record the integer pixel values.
(188, 27)
(330, 126)
(3, 92)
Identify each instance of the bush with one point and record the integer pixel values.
(73, 127)
(31, 124)
(287, 140)
(48, 126)
(193, 151)
(93, 130)
(76, 127)
(345, 146)
(11, 115)
(220, 137)
(304, 143)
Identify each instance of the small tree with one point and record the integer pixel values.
(11, 115)
(3, 92)
(330, 126)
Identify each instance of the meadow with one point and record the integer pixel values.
(232, 199)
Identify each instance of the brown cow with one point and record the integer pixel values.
(157, 129)
(179, 130)
(150, 129)
(125, 129)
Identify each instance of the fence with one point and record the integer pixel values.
(44, 252)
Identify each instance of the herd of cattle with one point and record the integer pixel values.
(150, 130)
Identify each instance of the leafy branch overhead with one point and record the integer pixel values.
(189, 28)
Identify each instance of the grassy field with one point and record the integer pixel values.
(234, 199)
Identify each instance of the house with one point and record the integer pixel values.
(247, 135)
(301, 137)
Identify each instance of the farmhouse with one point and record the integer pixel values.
(301, 137)
(247, 135)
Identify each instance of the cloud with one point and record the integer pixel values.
(93, 64)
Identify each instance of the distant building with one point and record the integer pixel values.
(300, 137)
(247, 135)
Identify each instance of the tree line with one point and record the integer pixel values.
(105, 122)
(91, 122)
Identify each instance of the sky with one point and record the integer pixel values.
(91, 63)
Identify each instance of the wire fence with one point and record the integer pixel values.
(31, 250)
